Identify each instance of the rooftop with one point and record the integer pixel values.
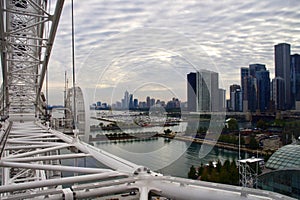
(286, 157)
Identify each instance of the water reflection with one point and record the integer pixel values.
(144, 152)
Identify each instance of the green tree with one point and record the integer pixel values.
(200, 169)
(279, 122)
(226, 173)
(192, 173)
(205, 175)
(219, 166)
(226, 165)
(253, 144)
(234, 173)
(261, 124)
(224, 177)
(232, 124)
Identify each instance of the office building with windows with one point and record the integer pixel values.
(203, 91)
(283, 69)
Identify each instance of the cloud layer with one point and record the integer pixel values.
(127, 44)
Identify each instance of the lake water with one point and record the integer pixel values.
(170, 157)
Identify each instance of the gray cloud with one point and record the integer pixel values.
(231, 33)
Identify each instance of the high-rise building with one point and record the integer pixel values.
(125, 101)
(253, 96)
(135, 103)
(222, 100)
(148, 103)
(252, 93)
(191, 91)
(152, 102)
(235, 98)
(244, 83)
(131, 101)
(263, 90)
(283, 70)
(277, 91)
(295, 77)
(203, 91)
(253, 68)
(207, 91)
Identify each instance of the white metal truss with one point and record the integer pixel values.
(27, 32)
(248, 170)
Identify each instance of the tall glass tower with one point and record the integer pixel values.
(263, 87)
(283, 70)
(191, 91)
(295, 77)
(203, 91)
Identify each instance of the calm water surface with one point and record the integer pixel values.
(171, 157)
(168, 157)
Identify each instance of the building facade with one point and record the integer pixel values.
(263, 90)
(203, 91)
(283, 70)
(295, 78)
(255, 82)
(236, 102)
(222, 100)
(244, 85)
(277, 93)
(191, 91)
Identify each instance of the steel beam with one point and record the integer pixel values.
(39, 151)
(104, 157)
(55, 21)
(53, 167)
(61, 181)
(44, 158)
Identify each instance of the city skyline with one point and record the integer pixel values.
(232, 36)
(241, 97)
(129, 101)
(258, 93)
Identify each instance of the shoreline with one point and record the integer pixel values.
(221, 145)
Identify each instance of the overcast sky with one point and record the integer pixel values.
(148, 46)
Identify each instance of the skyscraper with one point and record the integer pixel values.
(203, 91)
(125, 101)
(263, 90)
(283, 70)
(253, 68)
(255, 83)
(135, 103)
(191, 91)
(148, 103)
(252, 93)
(131, 101)
(207, 91)
(236, 98)
(222, 100)
(277, 91)
(295, 77)
(244, 84)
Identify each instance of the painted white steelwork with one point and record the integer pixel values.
(27, 31)
(248, 169)
(82, 114)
